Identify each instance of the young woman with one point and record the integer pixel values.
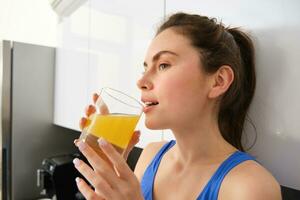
(199, 81)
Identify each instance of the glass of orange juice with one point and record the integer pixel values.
(116, 117)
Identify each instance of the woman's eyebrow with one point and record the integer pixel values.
(159, 54)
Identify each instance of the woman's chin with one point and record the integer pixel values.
(153, 125)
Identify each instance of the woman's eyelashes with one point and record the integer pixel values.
(160, 67)
(163, 66)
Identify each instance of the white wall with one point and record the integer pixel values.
(29, 21)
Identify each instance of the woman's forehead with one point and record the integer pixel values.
(169, 40)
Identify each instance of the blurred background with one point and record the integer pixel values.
(55, 53)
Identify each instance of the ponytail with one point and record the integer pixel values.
(236, 102)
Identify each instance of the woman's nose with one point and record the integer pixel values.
(144, 84)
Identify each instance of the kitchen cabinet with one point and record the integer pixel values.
(103, 44)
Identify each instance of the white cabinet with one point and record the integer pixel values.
(275, 27)
(71, 73)
(103, 44)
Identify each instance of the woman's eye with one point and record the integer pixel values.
(163, 66)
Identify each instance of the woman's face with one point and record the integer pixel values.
(173, 85)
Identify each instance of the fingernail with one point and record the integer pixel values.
(102, 142)
(77, 179)
(76, 162)
(81, 146)
(138, 133)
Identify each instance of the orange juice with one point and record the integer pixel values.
(115, 128)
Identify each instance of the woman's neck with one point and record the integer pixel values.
(200, 142)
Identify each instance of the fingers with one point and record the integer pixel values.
(102, 106)
(89, 110)
(116, 159)
(87, 191)
(95, 97)
(104, 178)
(100, 184)
(99, 103)
(76, 141)
(99, 165)
(83, 123)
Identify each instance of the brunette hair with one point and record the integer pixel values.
(219, 45)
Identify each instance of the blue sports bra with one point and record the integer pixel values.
(210, 191)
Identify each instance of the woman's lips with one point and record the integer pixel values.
(148, 108)
(149, 103)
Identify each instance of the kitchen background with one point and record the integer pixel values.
(103, 43)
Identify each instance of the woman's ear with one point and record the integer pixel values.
(222, 80)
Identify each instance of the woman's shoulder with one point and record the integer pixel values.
(250, 180)
(146, 157)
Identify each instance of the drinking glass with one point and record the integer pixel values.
(115, 119)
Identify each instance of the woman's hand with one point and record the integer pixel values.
(91, 109)
(109, 183)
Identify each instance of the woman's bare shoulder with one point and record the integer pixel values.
(146, 157)
(250, 180)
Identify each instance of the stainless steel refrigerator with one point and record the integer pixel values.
(27, 133)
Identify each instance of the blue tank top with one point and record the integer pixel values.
(210, 191)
